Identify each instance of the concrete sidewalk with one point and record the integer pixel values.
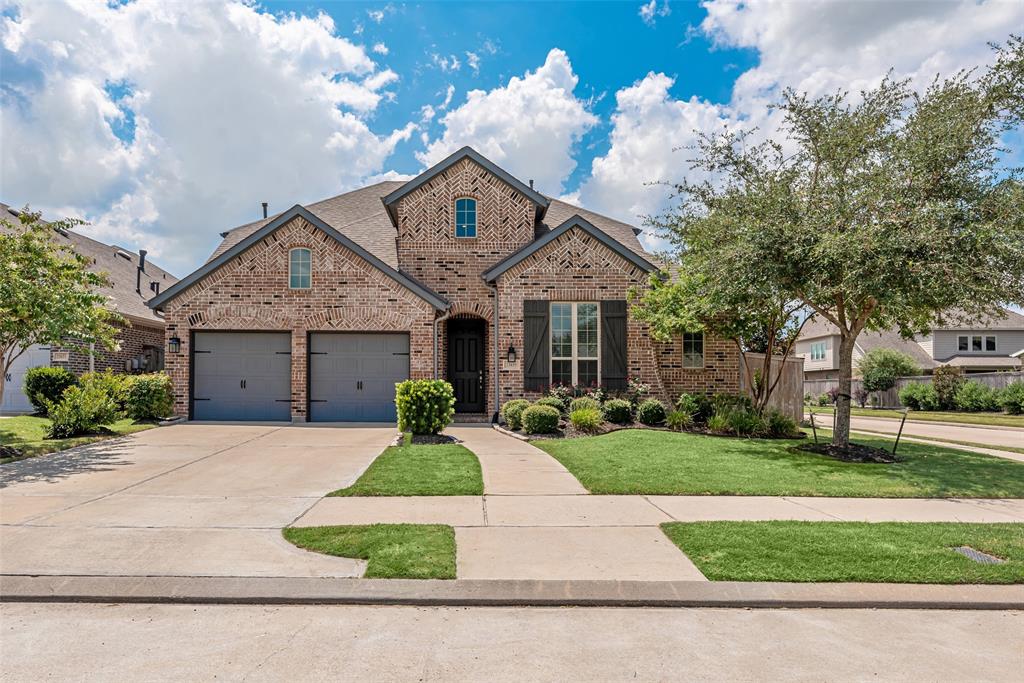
(514, 467)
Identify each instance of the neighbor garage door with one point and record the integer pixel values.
(241, 376)
(352, 376)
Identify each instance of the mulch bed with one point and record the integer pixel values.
(567, 431)
(852, 453)
(432, 439)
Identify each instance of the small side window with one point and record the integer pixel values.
(976, 343)
(299, 268)
(693, 349)
(990, 343)
(962, 344)
(465, 217)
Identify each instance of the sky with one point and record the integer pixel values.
(166, 123)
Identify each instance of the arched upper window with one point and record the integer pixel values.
(465, 217)
(299, 268)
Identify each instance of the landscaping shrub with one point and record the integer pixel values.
(824, 400)
(512, 412)
(651, 412)
(861, 396)
(947, 380)
(149, 397)
(919, 397)
(425, 406)
(584, 402)
(725, 402)
(564, 393)
(809, 399)
(618, 411)
(1011, 398)
(697, 406)
(540, 418)
(975, 397)
(586, 419)
(113, 384)
(45, 385)
(745, 422)
(636, 391)
(880, 368)
(780, 425)
(678, 420)
(833, 395)
(551, 401)
(80, 411)
(719, 424)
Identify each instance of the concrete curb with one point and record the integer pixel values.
(505, 593)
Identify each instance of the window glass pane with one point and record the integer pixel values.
(990, 343)
(586, 372)
(465, 218)
(299, 268)
(561, 331)
(961, 343)
(561, 372)
(975, 343)
(693, 350)
(586, 332)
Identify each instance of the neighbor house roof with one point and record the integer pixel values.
(819, 327)
(983, 362)
(121, 267)
(890, 339)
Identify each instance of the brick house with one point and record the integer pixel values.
(464, 273)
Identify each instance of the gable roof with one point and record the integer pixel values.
(559, 211)
(819, 327)
(890, 339)
(575, 221)
(465, 153)
(121, 267)
(269, 227)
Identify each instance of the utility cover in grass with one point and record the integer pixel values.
(438, 470)
(393, 551)
(888, 552)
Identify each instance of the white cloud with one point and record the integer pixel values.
(231, 107)
(817, 46)
(446, 64)
(380, 48)
(473, 60)
(447, 96)
(375, 15)
(650, 11)
(528, 127)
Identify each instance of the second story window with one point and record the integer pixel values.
(818, 351)
(465, 217)
(299, 268)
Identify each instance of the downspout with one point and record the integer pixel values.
(441, 319)
(497, 361)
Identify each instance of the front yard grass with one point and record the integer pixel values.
(668, 463)
(890, 552)
(438, 470)
(27, 433)
(393, 551)
(992, 419)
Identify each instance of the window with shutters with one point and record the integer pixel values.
(575, 344)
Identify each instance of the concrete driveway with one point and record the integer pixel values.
(190, 499)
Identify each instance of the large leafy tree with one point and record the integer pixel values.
(47, 292)
(882, 210)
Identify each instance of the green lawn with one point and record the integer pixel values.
(668, 463)
(394, 551)
(439, 470)
(891, 552)
(27, 433)
(993, 419)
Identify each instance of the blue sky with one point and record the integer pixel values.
(163, 124)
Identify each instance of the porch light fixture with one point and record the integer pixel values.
(173, 345)
(511, 354)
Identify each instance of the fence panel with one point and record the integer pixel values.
(891, 398)
(788, 396)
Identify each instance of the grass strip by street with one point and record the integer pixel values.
(27, 433)
(669, 463)
(392, 551)
(889, 552)
(990, 419)
(825, 434)
(436, 470)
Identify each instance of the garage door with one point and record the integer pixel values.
(241, 376)
(352, 376)
(15, 400)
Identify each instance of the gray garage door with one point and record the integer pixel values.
(352, 376)
(241, 376)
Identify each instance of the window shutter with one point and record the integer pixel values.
(536, 351)
(614, 358)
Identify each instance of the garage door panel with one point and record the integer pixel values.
(241, 376)
(342, 362)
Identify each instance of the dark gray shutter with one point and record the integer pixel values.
(614, 359)
(536, 351)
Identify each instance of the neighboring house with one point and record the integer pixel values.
(464, 273)
(988, 346)
(141, 338)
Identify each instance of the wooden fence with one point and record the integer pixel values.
(788, 396)
(891, 398)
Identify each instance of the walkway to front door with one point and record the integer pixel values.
(466, 364)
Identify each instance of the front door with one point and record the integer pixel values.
(466, 364)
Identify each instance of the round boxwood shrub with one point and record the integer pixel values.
(512, 412)
(149, 397)
(1011, 398)
(425, 406)
(618, 411)
(584, 402)
(540, 419)
(551, 401)
(586, 419)
(45, 385)
(651, 412)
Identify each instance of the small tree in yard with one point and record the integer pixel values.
(47, 292)
(880, 368)
(884, 211)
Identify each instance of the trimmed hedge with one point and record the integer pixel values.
(512, 412)
(1011, 398)
(975, 397)
(552, 401)
(651, 412)
(425, 406)
(618, 411)
(45, 385)
(919, 397)
(540, 419)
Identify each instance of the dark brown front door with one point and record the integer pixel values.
(466, 364)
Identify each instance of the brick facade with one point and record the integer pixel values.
(251, 292)
(133, 340)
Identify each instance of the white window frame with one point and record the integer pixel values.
(476, 218)
(291, 263)
(816, 347)
(575, 357)
(686, 365)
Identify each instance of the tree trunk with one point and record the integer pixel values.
(841, 435)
